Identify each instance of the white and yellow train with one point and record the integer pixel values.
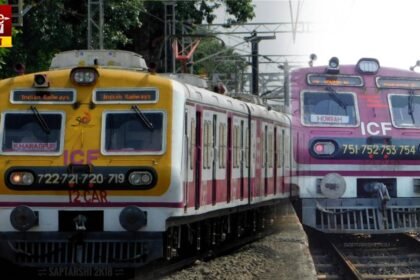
(106, 164)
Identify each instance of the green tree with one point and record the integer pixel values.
(52, 26)
(137, 25)
(215, 59)
(191, 13)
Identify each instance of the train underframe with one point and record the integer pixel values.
(85, 253)
(362, 215)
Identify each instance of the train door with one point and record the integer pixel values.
(275, 160)
(286, 158)
(229, 160)
(241, 158)
(214, 160)
(280, 159)
(198, 159)
(265, 159)
(252, 160)
(190, 157)
(186, 156)
(222, 150)
(247, 161)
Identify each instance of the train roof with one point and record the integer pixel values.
(104, 58)
(365, 66)
(221, 101)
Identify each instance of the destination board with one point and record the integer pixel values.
(43, 96)
(397, 82)
(139, 95)
(334, 80)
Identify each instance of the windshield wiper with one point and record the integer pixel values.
(41, 120)
(410, 105)
(142, 117)
(333, 94)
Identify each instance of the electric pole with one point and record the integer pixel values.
(169, 6)
(255, 40)
(95, 22)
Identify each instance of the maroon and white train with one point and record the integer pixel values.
(106, 165)
(356, 136)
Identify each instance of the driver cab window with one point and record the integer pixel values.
(329, 109)
(27, 133)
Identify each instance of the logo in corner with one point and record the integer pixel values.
(5, 26)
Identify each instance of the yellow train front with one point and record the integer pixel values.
(79, 145)
(106, 166)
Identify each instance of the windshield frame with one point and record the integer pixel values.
(338, 94)
(33, 153)
(390, 95)
(104, 151)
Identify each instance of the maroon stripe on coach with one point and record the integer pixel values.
(108, 204)
(358, 173)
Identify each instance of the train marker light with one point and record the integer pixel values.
(23, 218)
(333, 66)
(84, 76)
(41, 81)
(140, 178)
(324, 148)
(319, 148)
(368, 65)
(132, 218)
(21, 178)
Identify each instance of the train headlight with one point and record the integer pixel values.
(333, 185)
(133, 218)
(368, 65)
(41, 81)
(21, 178)
(324, 148)
(140, 178)
(84, 75)
(23, 218)
(333, 66)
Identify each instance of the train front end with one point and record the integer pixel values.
(357, 147)
(87, 165)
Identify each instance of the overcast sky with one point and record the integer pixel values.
(388, 30)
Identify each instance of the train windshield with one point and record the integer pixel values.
(27, 133)
(405, 110)
(329, 109)
(129, 133)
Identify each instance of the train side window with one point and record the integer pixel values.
(206, 145)
(222, 145)
(210, 141)
(25, 133)
(270, 149)
(236, 146)
(264, 147)
(126, 133)
(280, 149)
(329, 109)
(247, 147)
(234, 142)
(405, 110)
(225, 144)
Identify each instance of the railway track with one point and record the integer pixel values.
(165, 268)
(367, 257)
